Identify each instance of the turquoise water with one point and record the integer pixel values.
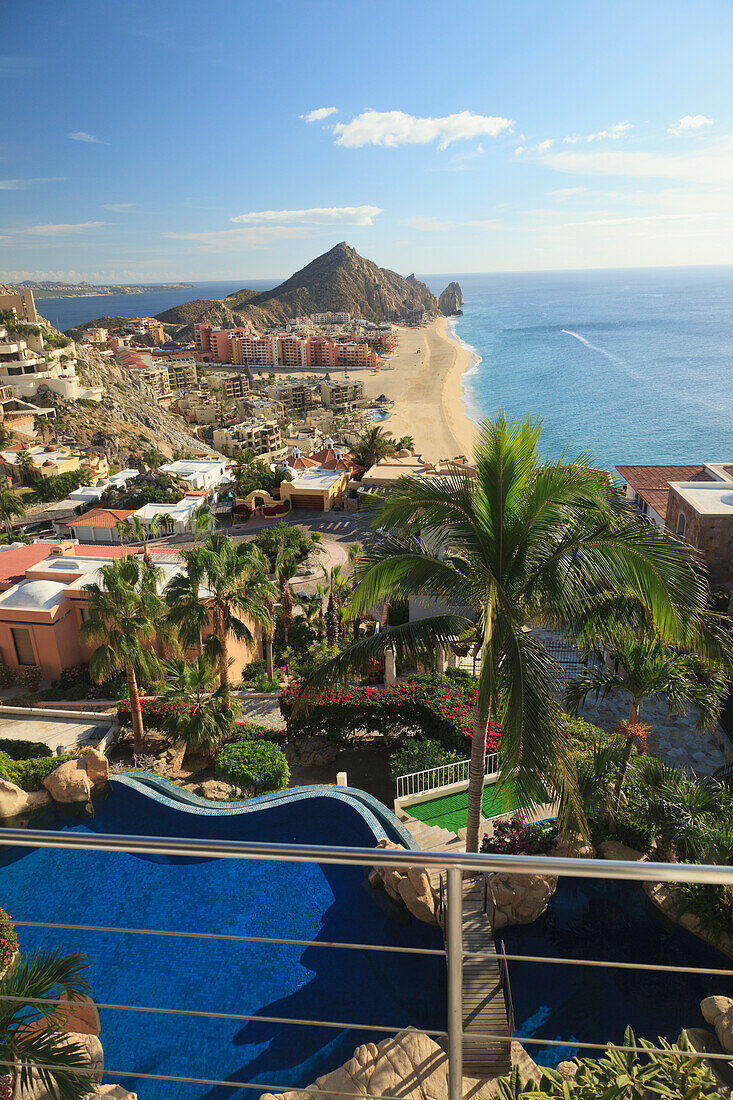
(254, 898)
(634, 366)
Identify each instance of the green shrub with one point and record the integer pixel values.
(253, 671)
(23, 750)
(250, 731)
(29, 774)
(461, 676)
(719, 599)
(253, 766)
(416, 756)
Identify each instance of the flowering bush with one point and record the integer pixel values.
(8, 940)
(428, 706)
(517, 838)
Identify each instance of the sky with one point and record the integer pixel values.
(163, 140)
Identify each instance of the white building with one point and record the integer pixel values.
(200, 473)
(26, 365)
(181, 514)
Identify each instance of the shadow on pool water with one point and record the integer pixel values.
(610, 921)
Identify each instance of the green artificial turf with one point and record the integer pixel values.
(450, 811)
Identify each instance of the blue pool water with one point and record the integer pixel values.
(606, 920)
(253, 898)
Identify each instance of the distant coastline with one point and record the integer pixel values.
(49, 289)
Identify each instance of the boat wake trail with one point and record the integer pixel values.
(638, 376)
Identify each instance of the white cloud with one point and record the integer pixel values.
(566, 192)
(20, 185)
(544, 145)
(393, 128)
(61, 229)
(90, 139)
(690, 122)
(240, 240)
(316, 215)
(712, 165)
(614, 132)
(519, 150)
(428, 224)
(318, 114)
(119, 207)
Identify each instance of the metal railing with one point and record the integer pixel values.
(455, 865)
(506, 986)
(444, 775)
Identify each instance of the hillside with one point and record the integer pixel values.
(127, 422)
(339, 280)
(50, 289)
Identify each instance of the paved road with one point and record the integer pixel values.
(335, 527)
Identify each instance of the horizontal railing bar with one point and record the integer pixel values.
(545, 959)
(476, 863)
(230, 938)
(155, 1010)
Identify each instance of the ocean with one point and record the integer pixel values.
(631, 366)
(65, 313)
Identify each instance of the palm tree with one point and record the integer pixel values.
(188, 611)
(405, 443)
(374, 444)
(239, 589)
(11, 506)
(203, 524)
(30, 990)
(650, 670)
(126, 617)
(25, 464)
(286, 568)
(199, 716)
(526, 540)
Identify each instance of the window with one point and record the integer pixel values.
(681, 523)
(83, 614)
(23, 646)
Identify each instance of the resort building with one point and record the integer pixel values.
(694, 502)
(19, 416)
(258, 434)
(28, 366)
(295, 397)
(51, 459)
(164, 373)
(99, 525)
(296, 348)
(95, 336)
(320, 480)
(21, 304)
(338, 395)
(200, 473)
(43, 603)
(228, 387)
(386, 473)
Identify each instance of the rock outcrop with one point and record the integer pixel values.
(313, 751)
(339, 280)
(450, 302)
(410, 885)
(73, 781)
(520, 899)
(14, 801)
(411, 1065)
(718, 1011)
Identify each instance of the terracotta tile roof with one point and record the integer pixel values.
(651, 483)
(102, 517)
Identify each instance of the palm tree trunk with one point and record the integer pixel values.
(138, 733)
(224, 658)
(476, 771)
(624, 767)
(268, 655)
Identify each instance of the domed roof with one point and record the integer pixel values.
(34, 595)
(404, 453)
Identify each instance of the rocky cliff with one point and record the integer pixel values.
(450, 302)
(339, 280)
(127, 422)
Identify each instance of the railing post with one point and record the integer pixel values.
(454, 954)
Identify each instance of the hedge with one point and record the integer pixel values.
(434, 706)
(253, 766)
(24, 750)
(29, 774)
(418, 756)
(155, 714)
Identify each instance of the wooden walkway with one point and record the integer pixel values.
(484, 1006)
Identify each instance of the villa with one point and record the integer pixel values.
(51, 459)
(43, 602)
(200, 473)
(319, 481)
(27, 365)
(695, 502)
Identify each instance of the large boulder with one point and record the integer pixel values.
(213, 789)
(718, 1011)
(613, 849)
(410, 1065)
(520, 899)
(314, 752)
(92, 1048)
(112, 1092)
(573, 847)
(15, 801)
(69, 783)
(411, 885)
(97, 766)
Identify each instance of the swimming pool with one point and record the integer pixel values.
(294, 900)
(606, 920)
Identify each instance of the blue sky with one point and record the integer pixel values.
(153, 140)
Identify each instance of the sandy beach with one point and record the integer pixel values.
(423, 378)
